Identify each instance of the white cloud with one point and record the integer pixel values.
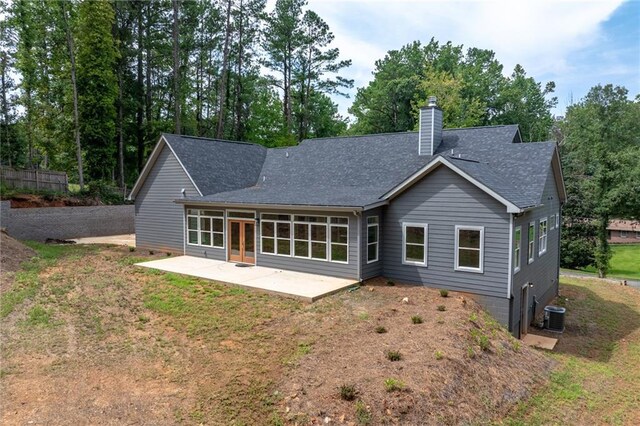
(539, 35)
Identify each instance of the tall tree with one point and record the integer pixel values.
(176, 66)
(97, 85)
(601, 148)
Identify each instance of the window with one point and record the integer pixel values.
(469, 248)
(638, 235)
(623, 234)
(542, 237)
(531, 241)
(205, 228)
(373, 235)
(414, 243)
(517, 244)
(558, 220)
(275, 233)
(552, 219)
(241, 214)
(339, 232)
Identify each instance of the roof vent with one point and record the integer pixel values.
(429, 128)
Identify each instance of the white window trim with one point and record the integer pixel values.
(542, 237)
(377, 242)
(517, 260)
(330, 242)
(198, 216)
(531, 258)
(552, 224)
(557, 220)
(459, 228)
(275, 233)
(404, 243)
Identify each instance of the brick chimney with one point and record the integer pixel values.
(429, 128)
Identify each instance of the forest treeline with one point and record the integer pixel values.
(88, 86)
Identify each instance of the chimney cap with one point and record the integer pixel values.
(432, 102)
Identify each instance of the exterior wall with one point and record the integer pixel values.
(312, 266)
(66, 222)
(158, 220)
(544, 271)
(370, 270)
(443, 200)
(615, 237)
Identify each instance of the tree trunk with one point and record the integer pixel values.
(120, 135)
(238, 127)
(74, 86)
(222, 90)
(176, 67)
(140, 94)
(5, 107)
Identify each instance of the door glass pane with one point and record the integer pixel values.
(235, 238)
(249, 240)
(319, 250)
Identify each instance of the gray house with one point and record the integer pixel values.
(472, 210)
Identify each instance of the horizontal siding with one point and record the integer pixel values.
(544, 270)
(159, 221)
(443, 200)
(374, 269)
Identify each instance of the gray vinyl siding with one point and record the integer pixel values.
(158, 220)
(443, 200)
(544, 271)
(320, 267)
(374, 269)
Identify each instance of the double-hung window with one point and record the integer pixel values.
(558, 220)
(552, 224)
(339, 233)
(205, 228)
(310, 237)
(373, 236)
(542, 237)
(414, 243)
(517, 244)
(531, 235)
(275, 233)
(469, 248)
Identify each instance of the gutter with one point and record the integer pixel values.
(268, 206)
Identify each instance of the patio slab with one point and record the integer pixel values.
(309, 287)
(119, 240)
(541, 342)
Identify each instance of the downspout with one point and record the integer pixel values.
(359, 223)
(510, 263)
(184, 230)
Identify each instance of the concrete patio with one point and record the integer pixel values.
(119, 240)
(309, 287)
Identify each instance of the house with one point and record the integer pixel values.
(472, 210)
(623, 231)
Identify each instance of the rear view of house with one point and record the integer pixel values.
(472, 210)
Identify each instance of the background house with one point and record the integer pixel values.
(623, 231)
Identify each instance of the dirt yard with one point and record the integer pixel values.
(89, 338)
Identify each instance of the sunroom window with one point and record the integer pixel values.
(205, 228)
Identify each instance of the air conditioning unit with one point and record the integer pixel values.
(554, 318)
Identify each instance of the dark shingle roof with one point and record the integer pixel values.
(357, 171)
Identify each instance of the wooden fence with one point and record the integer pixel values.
(34, 179)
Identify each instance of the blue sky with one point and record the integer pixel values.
(577, 44)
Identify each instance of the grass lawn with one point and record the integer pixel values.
(625, 262)
(597, 380)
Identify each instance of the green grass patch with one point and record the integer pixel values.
(625, 262)
(39, 316)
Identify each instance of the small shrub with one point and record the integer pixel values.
(439, 355)
(348, 392)
(132, 249)
(380, 329)
(470, 352)
(363, 416)
(473, 317)
(442, 308)
(38, 316)
(392, 385)
(168, 254)
(151, 253)
(416, 319)
(390, 283)
(516, 345)
(444, 293)
(394, 356)
(483, 341)
(363, 316)
(143, 319)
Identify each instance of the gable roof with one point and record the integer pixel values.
(362, 171)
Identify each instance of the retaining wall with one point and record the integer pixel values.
(66, 222)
